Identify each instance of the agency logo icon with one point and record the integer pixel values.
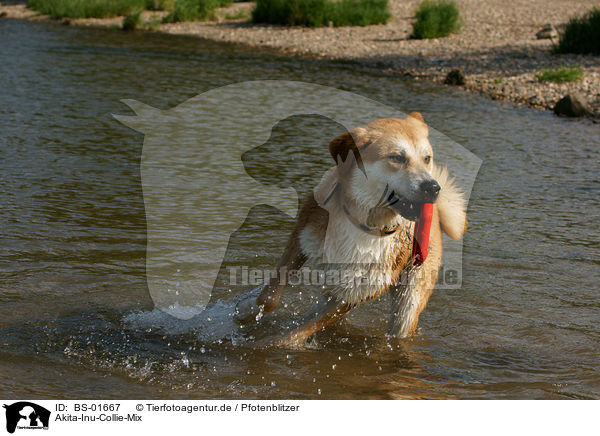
(26, 415)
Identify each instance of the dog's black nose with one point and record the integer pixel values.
(430, 188)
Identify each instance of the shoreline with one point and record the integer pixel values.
(497, 50)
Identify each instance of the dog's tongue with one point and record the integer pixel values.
(421, 236)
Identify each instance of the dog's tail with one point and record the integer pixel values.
(451, 204)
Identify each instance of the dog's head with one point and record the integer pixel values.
(388, 162)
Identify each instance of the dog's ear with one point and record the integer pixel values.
(347, 142)
(417, 116)
(341, 145)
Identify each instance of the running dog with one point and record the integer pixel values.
(361, 219)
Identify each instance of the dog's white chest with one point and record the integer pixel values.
(358, 264)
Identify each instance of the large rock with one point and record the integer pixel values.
(455, 78)
(572, 105)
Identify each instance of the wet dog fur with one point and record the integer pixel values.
(361, 217)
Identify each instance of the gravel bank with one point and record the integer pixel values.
(497, 48)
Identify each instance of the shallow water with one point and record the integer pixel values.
(74, 303)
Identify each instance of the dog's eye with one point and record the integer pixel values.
(427, 159)
(399, 158)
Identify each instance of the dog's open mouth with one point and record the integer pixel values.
(404, 207)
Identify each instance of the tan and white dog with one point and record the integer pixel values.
(360, 220)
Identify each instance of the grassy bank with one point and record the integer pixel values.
(87, 8)
(312, 13)
(319, 13)
(180, 10)
(195, 10)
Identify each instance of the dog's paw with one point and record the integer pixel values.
(247, 311)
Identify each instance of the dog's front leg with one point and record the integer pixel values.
(252, 306)
(404, 316)
(410, 296)
(322, 314)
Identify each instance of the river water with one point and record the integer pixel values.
(76, 318)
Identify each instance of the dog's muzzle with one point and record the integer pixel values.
(402, 206)
(429, 191)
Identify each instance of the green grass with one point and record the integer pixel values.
(160, 5)
(359, 12)
(86, 8)
(239, 15)
(152, 24)
(436, 19)
(180, 10)
(582, 35)
(132, 21)
(318, 13)
(560, 75)
(195, 10)
(290, 12)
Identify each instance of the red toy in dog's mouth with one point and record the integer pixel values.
(422, 213)
(420, 248)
